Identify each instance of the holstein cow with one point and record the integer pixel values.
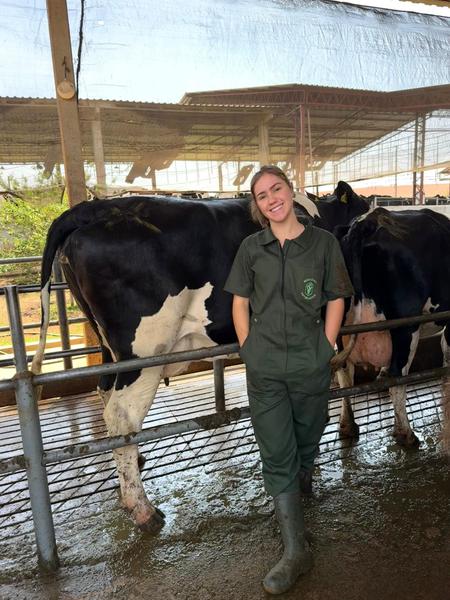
(149, 273)
(399, 263)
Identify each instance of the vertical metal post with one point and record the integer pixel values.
(264, 147)
(418, 159)
(62, 314)
(32, 441)
(311, 163)
(300, 147)
(219, 384)
(396, 172)
(220, 174)
(99, 155)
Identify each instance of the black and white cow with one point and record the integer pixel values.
(149, 274)
(399, 263)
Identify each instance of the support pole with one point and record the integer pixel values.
(66, 100)
(219, 384)
(300, 148)
(99, 156)
(418, 159)
(264, 151)
(311, 164)
(62, 313)
(220, 174)
(32, 441)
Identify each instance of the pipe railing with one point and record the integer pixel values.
(34, 458)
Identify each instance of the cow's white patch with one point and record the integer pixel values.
(445, 353)
(124, 413)
(308, 205)
(126, 408)
(429, 329)
(179, 325)
(412, 352)
(372, 347)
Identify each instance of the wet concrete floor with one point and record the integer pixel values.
(380, 520)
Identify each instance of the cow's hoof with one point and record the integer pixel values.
(349, 430)
(407, 440)
(141, 461)
(154, 524)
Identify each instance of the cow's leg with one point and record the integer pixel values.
(445, 345)
(124, 413)
(404, 346)
(105, 389)
(347, 425)
(106, 382)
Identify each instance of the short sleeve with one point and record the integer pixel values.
(337, 283)
(240, 278)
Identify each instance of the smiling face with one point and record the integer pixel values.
(273, 197)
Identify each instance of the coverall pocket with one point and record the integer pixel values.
(248, 348)
(244, 347)
(326, 350)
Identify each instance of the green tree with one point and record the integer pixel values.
(25, 218)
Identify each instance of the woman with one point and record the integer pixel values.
(281, 278)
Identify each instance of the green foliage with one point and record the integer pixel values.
(23, 232)
(24, 221)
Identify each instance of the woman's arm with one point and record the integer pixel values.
(241, 317)
(333, 319)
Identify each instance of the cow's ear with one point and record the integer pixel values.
(343, 198)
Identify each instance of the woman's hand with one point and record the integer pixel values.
(333, 319)
(241, 318)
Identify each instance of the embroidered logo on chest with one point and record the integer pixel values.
(309, 289)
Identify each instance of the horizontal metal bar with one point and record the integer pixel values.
(51, 324)
(9, 362)
(128, 365)
(141, 363)
(394, 323)
(205, 422)
(385, 383)
(24, 289)
(20, 259)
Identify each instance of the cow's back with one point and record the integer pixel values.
(136, 252)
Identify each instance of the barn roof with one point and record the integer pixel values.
(216, 125)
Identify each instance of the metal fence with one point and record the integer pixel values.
(34, 457)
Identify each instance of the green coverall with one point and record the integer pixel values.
(287, 354)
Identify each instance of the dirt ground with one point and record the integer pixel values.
(379, 517)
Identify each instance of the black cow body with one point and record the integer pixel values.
(399, 263)
(149, 275)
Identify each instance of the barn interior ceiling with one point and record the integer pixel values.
(219, 126)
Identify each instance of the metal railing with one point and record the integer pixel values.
(34, 457)
(59, 286)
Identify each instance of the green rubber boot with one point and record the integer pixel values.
(297, 556)
(305, 480)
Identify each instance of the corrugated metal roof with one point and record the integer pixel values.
(216, 125)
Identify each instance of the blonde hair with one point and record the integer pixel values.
(255, 213)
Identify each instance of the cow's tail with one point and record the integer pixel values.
(60, 229)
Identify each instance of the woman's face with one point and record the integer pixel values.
(273, 197)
